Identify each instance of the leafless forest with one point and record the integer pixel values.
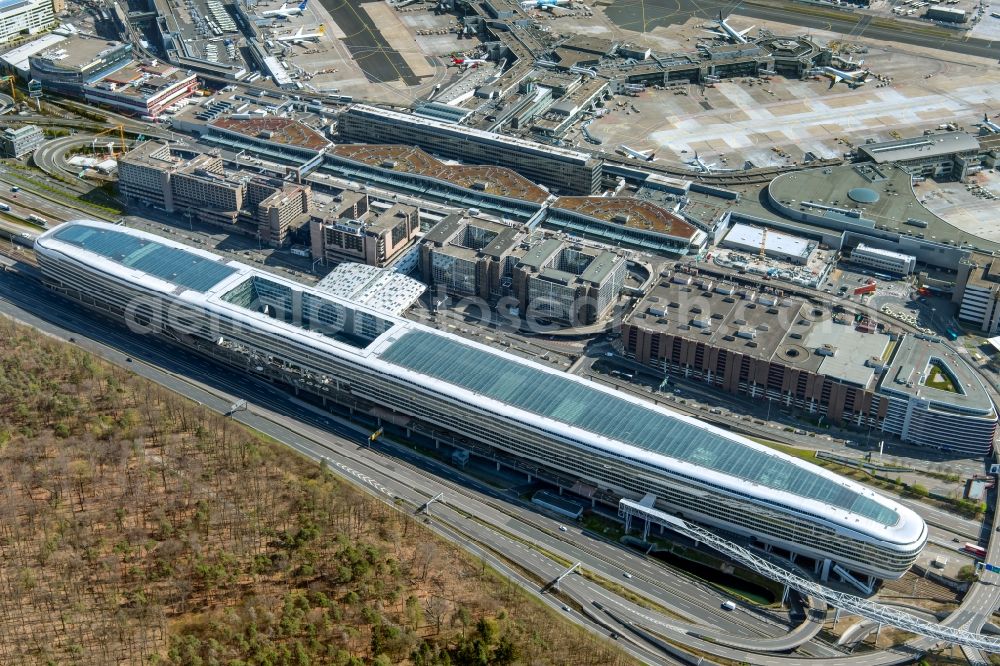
(139, 528)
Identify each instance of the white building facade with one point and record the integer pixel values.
(885, 261)
(24, 17)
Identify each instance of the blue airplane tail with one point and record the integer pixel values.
(303, 5)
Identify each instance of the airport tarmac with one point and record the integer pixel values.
(371, 51)
(961, 207)
(776, 122)
(646, 15)
(363, 37)
(989, 27)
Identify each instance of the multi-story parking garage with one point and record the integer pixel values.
(506, 407)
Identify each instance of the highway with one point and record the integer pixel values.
(50, 158)
(280, 416)
(405, 475)
(50, 205)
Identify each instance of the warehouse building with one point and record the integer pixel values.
(946, 14)
(770, 243)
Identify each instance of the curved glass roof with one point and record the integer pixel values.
(576, 404)
(174, 265)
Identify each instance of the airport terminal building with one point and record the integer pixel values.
(510, 410)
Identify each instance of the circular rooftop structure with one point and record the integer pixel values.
(863, 195)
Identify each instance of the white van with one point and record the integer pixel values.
(729, 605)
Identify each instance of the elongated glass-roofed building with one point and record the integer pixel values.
(558, 426)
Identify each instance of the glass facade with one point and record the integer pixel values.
(578, 405)
(182, 268)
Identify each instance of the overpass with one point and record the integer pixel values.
(881, 614)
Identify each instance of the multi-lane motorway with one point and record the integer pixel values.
(502, 521)
(501, 525)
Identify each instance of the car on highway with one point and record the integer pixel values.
(15, 188)
(728, 605)
(626, 574)
(562, 528)
(567, 609)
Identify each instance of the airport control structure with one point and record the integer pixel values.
(613, 448)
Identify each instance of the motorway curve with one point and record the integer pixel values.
(501, 526)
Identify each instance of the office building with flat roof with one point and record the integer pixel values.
(942, 155)
(560, 169)
(144, 89)
(571, 284)
(282, 208)
(24, 17)
(802, 355)
(977, 291)
(69, 66)
(886, 261)
(198, 186)
(19, 141)
(607, 445)
(935, 399)
(356, 230)
(470, 256)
